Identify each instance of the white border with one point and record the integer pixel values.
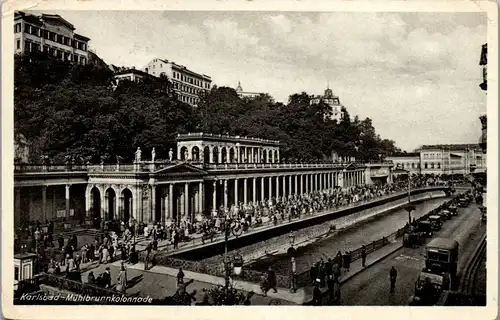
(108, 312)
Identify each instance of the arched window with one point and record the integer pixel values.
(425, 165)
(439, 165)
(432, 165)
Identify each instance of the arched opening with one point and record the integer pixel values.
(215, 155)
(224, 155)
(264, 156)
(206, 155)
(183, 154)
(127, 205)
(195, 153)
(96, 203)
(432, 165)
(439, 165)
(425, 165)
(110, 204)
(232, 158)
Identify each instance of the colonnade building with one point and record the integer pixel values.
(229, 170)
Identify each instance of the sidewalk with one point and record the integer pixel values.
(159, 285)
(300, 297)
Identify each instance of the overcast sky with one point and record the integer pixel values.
(415, 74)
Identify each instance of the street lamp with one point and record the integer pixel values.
(238, 259)
(409, 207)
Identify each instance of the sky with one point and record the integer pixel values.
(416, 75)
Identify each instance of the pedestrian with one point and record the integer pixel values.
(393, 274)
(349, 257)
(271, 279)
(105, 255)
(316, 294)
(111, 252)
(345, 258)
(149, 247)
(293, 276)
(363, 256)
(106, 278)
(313, 273)
(122, 280)
(91, 278)
(180, 277)
(330, 282)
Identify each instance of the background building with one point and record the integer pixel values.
(244, 94)
(442, 159)
(331, 100)
(51, 34)
(130, 75)
(187, 84)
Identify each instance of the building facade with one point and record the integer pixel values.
(130, 75)
(51, 34)
(442, 159)
(187, 84)
(332, 101)
(406, 161)
(245, 94)
(177, 189)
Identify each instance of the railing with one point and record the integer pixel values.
(148, 166)
(49, 167)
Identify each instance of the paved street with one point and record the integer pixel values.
(371, 287)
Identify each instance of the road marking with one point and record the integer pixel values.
(403, 257)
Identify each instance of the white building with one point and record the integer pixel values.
(332, 101)
(442, 159)
(51, 34)
(187, 84)
(130, 75)
(245, 94)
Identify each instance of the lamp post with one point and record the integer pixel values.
(237, 260)
(409, 207)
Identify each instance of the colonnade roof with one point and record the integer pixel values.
(197, 136)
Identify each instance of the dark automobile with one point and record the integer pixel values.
(446, 214)
(424, 228)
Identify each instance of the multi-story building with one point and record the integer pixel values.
(245, 94)
(332, 101)
(187, 84)
(406, 161)
(51, 34)
(131, 75)
(442, 159)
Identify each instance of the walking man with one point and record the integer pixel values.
(149, 247)
(363, 256)
(393, 274)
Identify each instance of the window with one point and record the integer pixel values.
(16, 273)
(413, 165)
(18, 44)
(432, 165)
(27, 46)
(46, 34)
(17, 27)
(425, 165)
(439, 165)
(60, 38)
(52, 36)
(27, 28)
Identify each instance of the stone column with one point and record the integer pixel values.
(87, 204)
(186, 201)
(225, 193)
(219, 156)
(272, 156)
(270, 187)
(306, 182)
(210, 155)
(235, 192)
(254, 189)
(214, 197)
(153, 204)
(44, 203)
(290, 192)
(284, 186)
(245, 191)
(296, 189)
(277, 187)
(118, 202)
(201, 201)
(164, 208)
(259, 155)
(301, 184)
(104, 199)
(196, 201)
(67, 197)
(262, 189)
(170, 214)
